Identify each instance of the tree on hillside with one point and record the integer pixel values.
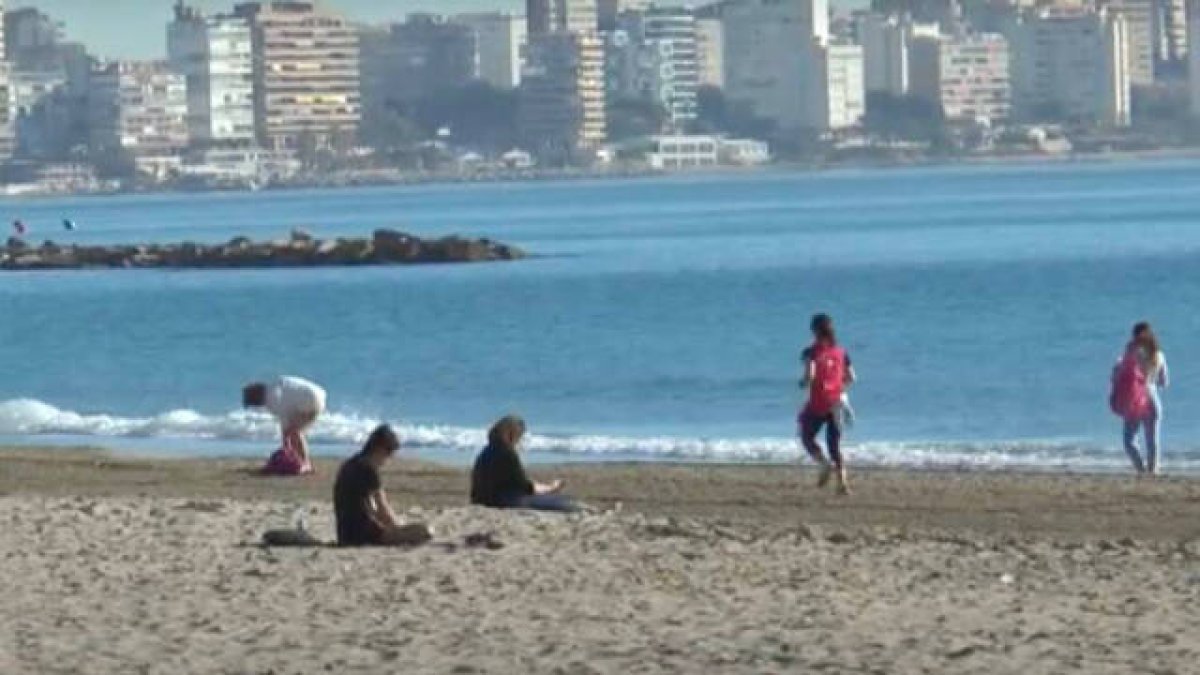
(635, 117)
(717, 114)
(477, 114)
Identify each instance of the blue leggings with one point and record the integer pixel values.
(810, 426)
(560, 503)
(1150, 427)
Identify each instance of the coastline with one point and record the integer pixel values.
(644, 173)
(116, 565)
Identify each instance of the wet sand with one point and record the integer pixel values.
(115, 566)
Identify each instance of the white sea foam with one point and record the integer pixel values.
(30, 418)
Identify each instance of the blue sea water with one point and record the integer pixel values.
(661, 319)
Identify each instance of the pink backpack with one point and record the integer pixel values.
(829, 379)
(1130, 397)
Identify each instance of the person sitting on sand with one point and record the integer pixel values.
(364, 516)
(498, 479)
(296, 403)
(827, 374)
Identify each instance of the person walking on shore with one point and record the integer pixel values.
(1137, 381)
(296, 403)
(364, 515)
(827, 374)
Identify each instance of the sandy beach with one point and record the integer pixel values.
(153, 566)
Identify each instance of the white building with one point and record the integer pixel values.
(652, 56)
(710, 52)
(1072, 64)
(553, 16)
(140, 108)
(840, 97)
(769, 60)
(743, 151)
(215, 55)
(1140, 25)
(683, 152)
(500, 40)
(967, 75)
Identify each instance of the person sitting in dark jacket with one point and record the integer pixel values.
(499, 480)
(364, 516)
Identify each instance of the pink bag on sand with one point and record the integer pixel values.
(286, 462)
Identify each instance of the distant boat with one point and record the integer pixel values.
(19, 227)
(68, 225)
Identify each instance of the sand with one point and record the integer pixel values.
(118, 566)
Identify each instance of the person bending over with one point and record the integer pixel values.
(499, 480)
(296, 403)
(364, 516)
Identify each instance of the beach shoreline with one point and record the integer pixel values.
(118, 565)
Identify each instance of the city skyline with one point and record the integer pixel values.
(135, 29)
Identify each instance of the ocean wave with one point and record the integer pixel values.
(30, 418)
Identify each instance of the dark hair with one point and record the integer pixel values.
(822, 328)
(254, 395)
(382, 438)
(1143, 336)
(507, 432)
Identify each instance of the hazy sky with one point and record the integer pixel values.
(137, 28)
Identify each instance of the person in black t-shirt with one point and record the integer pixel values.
(364, 516)
(499, 480)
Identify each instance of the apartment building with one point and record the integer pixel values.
(306, 73)
(215, 57)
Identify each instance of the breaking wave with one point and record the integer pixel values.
(27, 418)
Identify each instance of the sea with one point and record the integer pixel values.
(658, 319)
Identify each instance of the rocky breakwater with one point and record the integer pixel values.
(385, 247)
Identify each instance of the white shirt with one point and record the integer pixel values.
(291, 396)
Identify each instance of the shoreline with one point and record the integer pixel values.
(988, 502)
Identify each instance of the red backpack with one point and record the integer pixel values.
(829, 379)
(1130, 397)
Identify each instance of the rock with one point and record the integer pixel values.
(300, 250)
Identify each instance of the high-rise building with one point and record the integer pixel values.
(215, 56)
(553, 16)
(138, 107)
(561, 106)
(770, 58)
(885, 41)
(710, 52)
(500, 39)
(607, 11)
(1070, 64)
(7, 128)
(306, 74)
(407, 61)
(1193, 24)
(1170, 32)
(967, 75)
(1140, 25)
(840, 97)
(562, 114)
(652, 56)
